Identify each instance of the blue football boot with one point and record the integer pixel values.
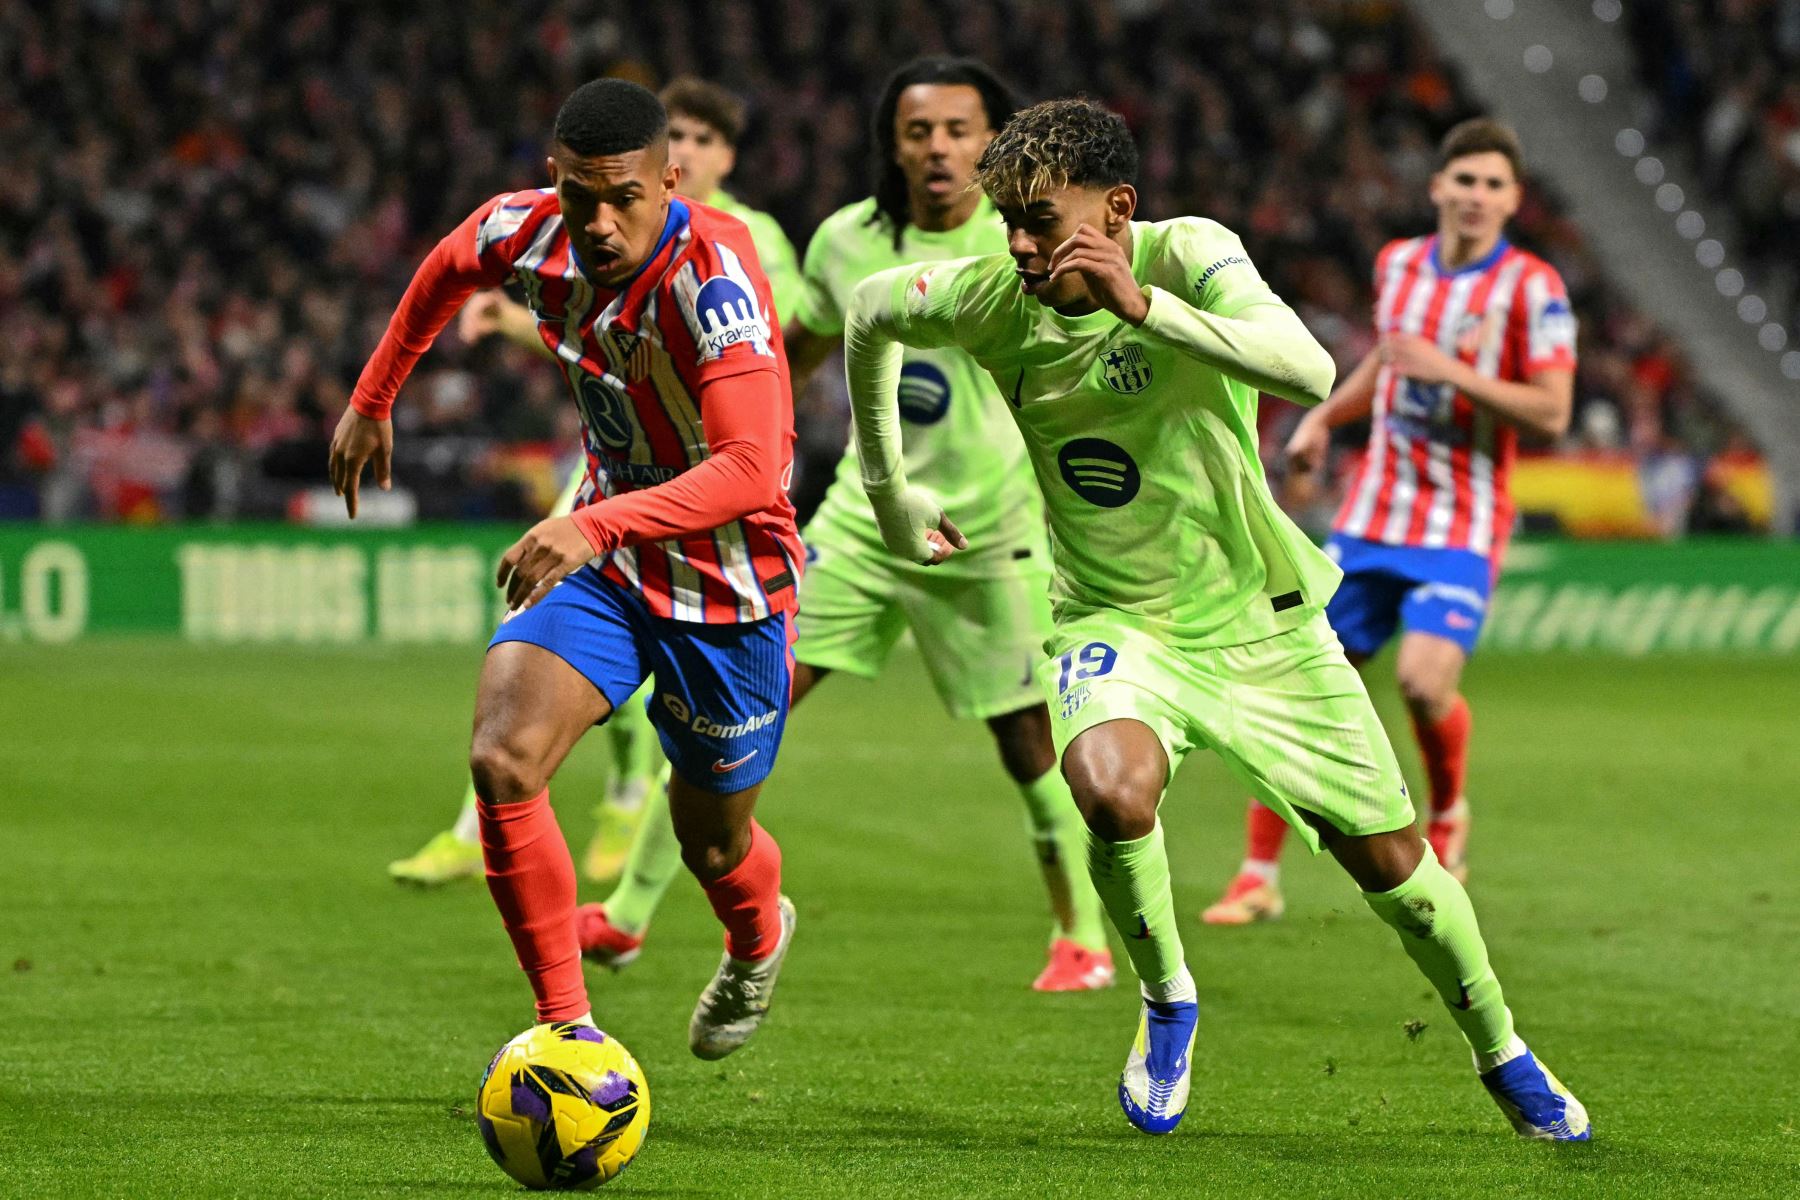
(1536, 1102)
(1153, 1091)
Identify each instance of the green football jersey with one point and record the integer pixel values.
(957, 439)
(779, 262)
(1146, 455)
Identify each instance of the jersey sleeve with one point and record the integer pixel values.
(1544, 324)
(1378, 277)
(919, 305)
(816, 307)
(474, 255)
(1208, 301)
(719, 315)
(1217, 271)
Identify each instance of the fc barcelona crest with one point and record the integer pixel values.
(630, 354)
(1127, 369)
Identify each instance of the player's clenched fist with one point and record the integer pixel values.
(538, 561)
(915, 527)
(1417, 358)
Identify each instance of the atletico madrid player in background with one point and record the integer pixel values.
(1477, 346)
(680, 561)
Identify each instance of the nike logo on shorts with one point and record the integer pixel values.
(720, 767)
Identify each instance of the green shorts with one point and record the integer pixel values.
(1288, 715)
(981, 633)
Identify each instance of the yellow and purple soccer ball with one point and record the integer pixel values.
(563, 1107)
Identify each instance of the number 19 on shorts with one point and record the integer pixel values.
(1090, 662)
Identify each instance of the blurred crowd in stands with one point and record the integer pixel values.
(209, 207)
(1725, 78)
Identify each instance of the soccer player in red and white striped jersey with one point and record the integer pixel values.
(1477, 345)
(681, 559)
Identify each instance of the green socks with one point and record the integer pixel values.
(1132, 879)
(651, 865)
(637, 751)
(1436, 924)
(1060, 840)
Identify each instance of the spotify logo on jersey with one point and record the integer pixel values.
(1100, 472)
(924, 393)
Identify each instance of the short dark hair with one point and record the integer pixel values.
(707, 103)
(1059, 143)
(891, 199)
(610, 116)
(1482, 135)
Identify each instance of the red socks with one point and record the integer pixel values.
(746, 898)
(1444, 747)
(1264, 831)
(532, 880)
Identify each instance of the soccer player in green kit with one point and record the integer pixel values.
(1188, 607)
(980, 623)
(705, 122)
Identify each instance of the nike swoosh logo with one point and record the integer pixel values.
(720, 767)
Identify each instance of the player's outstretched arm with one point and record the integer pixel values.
(913, 525)
(447, 277)
(494, 312)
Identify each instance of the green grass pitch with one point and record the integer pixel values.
(209, 987)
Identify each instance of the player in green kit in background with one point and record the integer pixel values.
(980, 623)
(705, 122)
(1188, 607)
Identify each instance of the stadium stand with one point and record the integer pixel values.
(211, 208)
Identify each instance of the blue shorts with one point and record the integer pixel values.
(1444, 592)
(721, 697)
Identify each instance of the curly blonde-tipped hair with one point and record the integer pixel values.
(1053, 145)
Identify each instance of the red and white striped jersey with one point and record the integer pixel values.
(699, 311)
(1436, 471)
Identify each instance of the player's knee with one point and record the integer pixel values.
(1427, 692)
(712, 854)
(502, 771)
(1023, 739)
(1117, 800)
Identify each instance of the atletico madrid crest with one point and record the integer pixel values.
(629, 354)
